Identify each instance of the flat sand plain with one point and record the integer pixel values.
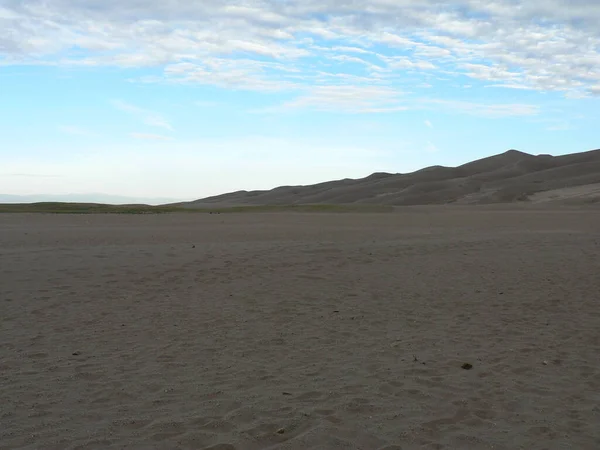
(301, 331)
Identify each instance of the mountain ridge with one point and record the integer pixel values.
(512, 176)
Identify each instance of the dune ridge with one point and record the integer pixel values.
(509, 177)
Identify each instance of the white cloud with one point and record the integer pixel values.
(28, 175)
(270, 45)
(356, 60)
(489, 110)
(350, 99)
(244, 74)
(76, 131)
(384, 99)
(428, 124)
(346, 49)
(403, 62)
(148, 117)
(430, 147)
(150, 137)
(560, 127)
(494, 73)
(207, 104)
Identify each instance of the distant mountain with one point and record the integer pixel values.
(512, 176)
(85, 198)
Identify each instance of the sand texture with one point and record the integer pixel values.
(301, 331)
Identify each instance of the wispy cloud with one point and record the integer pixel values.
(264, 45)
(565, 123)
(76, 131)
(207, 104)
(489, 110)
(349, 99)
(428, 124)
(147, 117)
(430, 147)
(235, 73)
(382, 99)
(150, 137)
(29, 175)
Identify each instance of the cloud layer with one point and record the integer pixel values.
(359, 56)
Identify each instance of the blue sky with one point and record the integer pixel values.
(185, 99)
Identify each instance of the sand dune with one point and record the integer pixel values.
(589, 193)
(301, 331)
(509, 177)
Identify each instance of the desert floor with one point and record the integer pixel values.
(301, 331)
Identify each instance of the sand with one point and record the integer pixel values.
(509, 177)
(301, 331)
(589, 193)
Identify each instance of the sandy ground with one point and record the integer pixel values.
(300, 331)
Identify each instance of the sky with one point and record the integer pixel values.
(184, 99)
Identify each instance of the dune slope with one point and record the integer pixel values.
(512, 176)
